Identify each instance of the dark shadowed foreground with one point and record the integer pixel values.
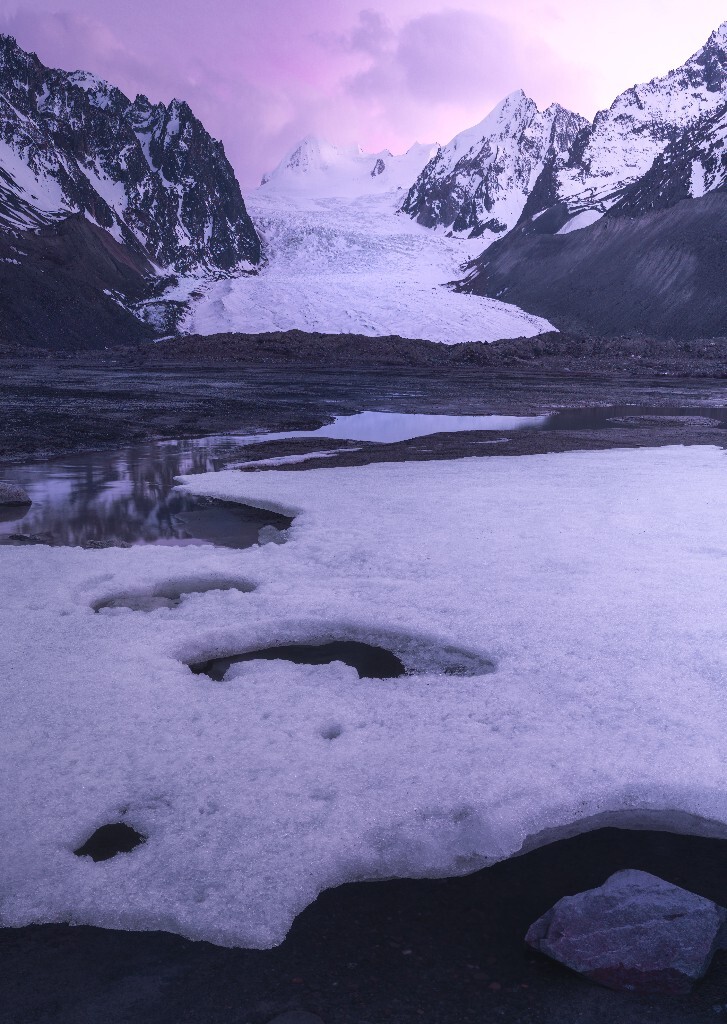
(445, 952)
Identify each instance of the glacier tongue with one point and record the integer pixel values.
(351, 266)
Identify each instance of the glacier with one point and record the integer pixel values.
(339, 257)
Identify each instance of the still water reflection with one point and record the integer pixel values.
(128, 497)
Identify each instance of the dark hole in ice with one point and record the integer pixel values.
(370, 662)
(168, 595)
(109, 840)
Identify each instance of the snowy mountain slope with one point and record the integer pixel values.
(480, 181)
(519, 162)
(317, 168)
(625, 140)
(351, 266)
(148, 174)
(690, 167)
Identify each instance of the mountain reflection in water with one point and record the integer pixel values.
(128, 497)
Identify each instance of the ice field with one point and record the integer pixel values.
(593, 583)
(351, 265)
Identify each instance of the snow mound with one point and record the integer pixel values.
(350, 266)
(593, 584)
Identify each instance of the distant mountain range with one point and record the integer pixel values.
(106, 204)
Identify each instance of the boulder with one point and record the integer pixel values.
(636, 933)
(13, 494)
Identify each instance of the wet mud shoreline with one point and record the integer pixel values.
(52, 408)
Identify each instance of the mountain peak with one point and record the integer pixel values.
(479, 182)
(318, 169)
(152, 177)
(719, 37)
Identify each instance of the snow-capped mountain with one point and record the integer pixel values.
(316, 168)
(479, 182)
(519, 162)
(623, 142)
(628, 233)
(690, 167)
(150, 175)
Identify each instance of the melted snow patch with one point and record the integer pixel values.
(388, 428)
(595, 585)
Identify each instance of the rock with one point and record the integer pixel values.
(13, 494)
(636, 933)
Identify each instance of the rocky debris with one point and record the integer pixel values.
(636, 933)
(71, 285)
(30, 538)
(13, 494)
(659, 275)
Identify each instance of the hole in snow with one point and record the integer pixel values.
(332, 731)
(109, 840)
(370, 662)
(168, 595)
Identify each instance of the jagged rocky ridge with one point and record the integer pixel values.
(101, 200)
(151, 175)
(480, 182)
(519, 163)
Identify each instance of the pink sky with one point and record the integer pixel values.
(261, 74)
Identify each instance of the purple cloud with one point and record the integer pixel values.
(261, 75)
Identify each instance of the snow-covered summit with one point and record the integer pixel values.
(100, 93)
(625, 140)
(317, 168)
(480, 181)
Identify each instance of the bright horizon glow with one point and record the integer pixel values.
(262, 77)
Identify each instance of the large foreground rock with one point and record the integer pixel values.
(635, 932)
(13, 494)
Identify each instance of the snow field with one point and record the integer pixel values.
(351, 266)
(595, 582)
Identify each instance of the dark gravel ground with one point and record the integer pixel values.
(52, 407)
(447, 951)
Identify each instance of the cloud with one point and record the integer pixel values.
(447, 57)
(262, 75)
(78, 42)
(371, 34)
